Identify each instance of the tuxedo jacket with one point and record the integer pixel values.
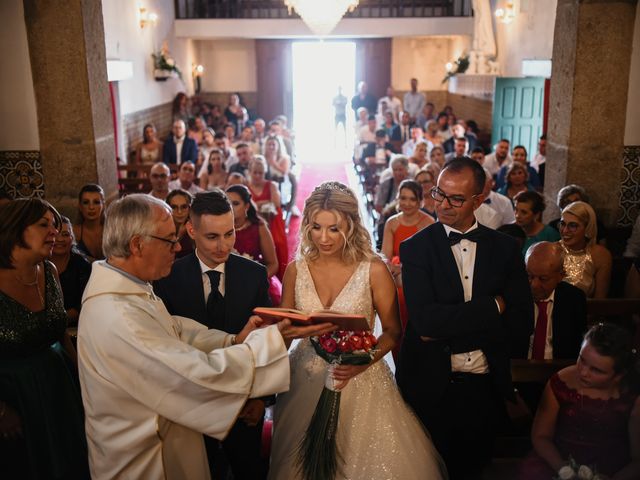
(189, 151)
(246, 287)
(569, 321)
(435, 301)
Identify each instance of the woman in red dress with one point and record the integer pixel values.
(253, 239)
(267, 199)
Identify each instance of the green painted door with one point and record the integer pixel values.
(518, 111)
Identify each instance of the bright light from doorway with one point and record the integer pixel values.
(319, 68)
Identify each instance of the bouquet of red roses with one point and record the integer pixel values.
(318, 454)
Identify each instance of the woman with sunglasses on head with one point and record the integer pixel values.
(180, 202)
(41, 421)
(587, 264)
(590, 413)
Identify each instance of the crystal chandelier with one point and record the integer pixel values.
(321, 16)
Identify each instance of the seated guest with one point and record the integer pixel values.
(159, 176)
(485, 215)
(431, 133)
(471, 132)
(247, 136)
(409, 221)
(590, 412)
(477, 154)
(180, 202)
(245, 155)
(528, 210)
(426, 115)
(179, 148)
(586, 264)
(499, 158)
(388, 189)
(41, 424)
(417, 135)
(73, 269)
(498, 202)
(517, 180)
(573, 193)
(461, 145)
(426, 180)
(228, 152)
(378, 153)
(419, 157)
(196, 131)
(391, 127)
(214, 173)
(436, 160)
(519, 154)
(443, 126)
(458, 131)
(280, 164)
(236, 178)
(88, 230)
(405, 127)
(367, 133)
(236, 113)
(148, 151)
(186, 177)
(230, 132)
(362, 116)
(253, 239)
(208, 144)
(560, 310)
(541, 157)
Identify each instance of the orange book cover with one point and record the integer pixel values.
(345, 321)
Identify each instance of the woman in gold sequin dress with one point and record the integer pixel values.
(587, 264)
(378, 436)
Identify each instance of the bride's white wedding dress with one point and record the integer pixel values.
(378, 436)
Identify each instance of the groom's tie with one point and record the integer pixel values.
(215, 302)
(472, 236)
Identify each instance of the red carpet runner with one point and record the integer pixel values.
(311, 176)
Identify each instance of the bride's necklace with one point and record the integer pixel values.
(34, 283)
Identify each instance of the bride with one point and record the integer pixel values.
(378, 436)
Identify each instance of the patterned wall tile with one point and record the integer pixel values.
(630, 187)
(21, 174)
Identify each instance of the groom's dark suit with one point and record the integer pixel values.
(437, 309)
(246, 287)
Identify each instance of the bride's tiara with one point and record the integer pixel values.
(333, 186)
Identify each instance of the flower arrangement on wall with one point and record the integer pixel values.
(164, 65)
(459, 66)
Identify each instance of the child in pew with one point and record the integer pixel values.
(590, 412)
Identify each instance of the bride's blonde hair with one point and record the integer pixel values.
(340, 200)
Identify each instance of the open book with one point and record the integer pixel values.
(345, 321)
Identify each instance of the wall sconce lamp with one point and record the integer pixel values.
(147, 18)
(198, 71)
(507, 14)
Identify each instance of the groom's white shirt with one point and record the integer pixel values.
(152, 383)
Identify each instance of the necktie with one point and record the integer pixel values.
(215, 302)
(540, 335)
(472, 236)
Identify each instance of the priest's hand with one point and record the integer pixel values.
(252, 412)
(252, 324)
(290, 332)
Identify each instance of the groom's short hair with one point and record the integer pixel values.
(214, 202)
(459, 164)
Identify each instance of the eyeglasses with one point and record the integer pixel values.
(455, 201)
(172, 242)
(180, 207)
(570, 227)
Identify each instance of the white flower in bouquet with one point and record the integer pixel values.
(566, 473)
(585, 473)
(170, 62)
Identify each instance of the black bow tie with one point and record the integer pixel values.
(488, 201)
(472, 236)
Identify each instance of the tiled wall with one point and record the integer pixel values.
(630, 186)
(21, 174)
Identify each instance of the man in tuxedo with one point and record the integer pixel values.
(220, 290)
(179, 148)
(560, 309)
(470, 311)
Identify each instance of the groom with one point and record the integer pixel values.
(470, 311)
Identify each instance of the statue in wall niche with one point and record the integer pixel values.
(483, 47)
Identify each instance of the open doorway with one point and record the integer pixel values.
(319, 69)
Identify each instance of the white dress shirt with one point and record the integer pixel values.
(206, 282)
(548, 344)
(491, 163)
(179, 142)
(488, 217)
(465, 256)
(503, 206)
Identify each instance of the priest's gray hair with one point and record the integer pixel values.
(135, 214)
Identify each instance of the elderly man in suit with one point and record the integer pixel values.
(470, 311)
(220, 289)
(179, 148)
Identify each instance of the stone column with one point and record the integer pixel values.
(588, 99)
(67, 52)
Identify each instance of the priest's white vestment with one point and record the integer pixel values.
(152, 383)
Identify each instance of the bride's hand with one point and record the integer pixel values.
(343, 373)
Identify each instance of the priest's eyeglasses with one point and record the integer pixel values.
(168, 240)
(456, 201)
